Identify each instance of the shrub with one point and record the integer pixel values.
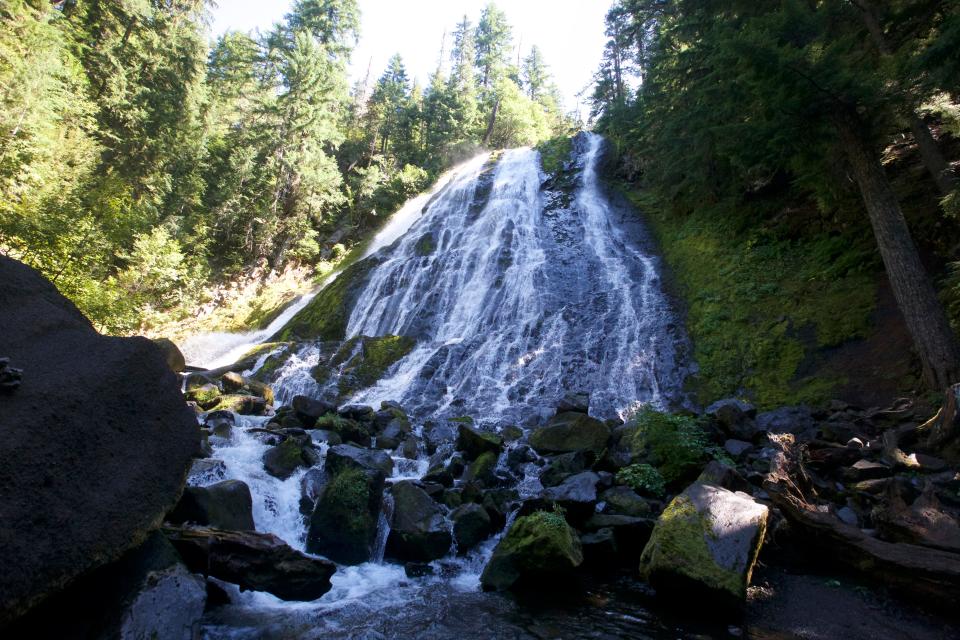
(642, 478)
(676, 444)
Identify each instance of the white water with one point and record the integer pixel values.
(218, 349)
(519, 303)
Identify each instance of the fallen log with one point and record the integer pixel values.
(253, 561)
(920, 572)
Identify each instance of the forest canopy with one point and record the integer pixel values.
(141, 162)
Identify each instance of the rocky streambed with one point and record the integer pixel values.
(568, 529)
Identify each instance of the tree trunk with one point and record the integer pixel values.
(933, 159)
(915, 295)
(491, 122)
(930, 153)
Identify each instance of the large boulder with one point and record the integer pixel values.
(147, 593)
(224, 505)
(418, 530)
(254, 561)
(172, 354)
(347, 456)
(293, 453)
(474, 443)
(540, 549)
(343, 526)
(96, 445)
(735, 417)
(705, 542)
(471, 526)
(570, 431)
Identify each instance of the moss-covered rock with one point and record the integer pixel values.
(325, 317)
(570, 431)
(482, 469)
(539, 548)
(235, 382)
(473, 442)
(348, 430)
(343, 526)
(242, 404)
(706, 541)
(426, 245)
(205, 395)
(366, 359)
(288, 456)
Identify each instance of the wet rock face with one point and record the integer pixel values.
(569, 432)
(706, 541)
(105, 410)
(224, 505)
(418, 531)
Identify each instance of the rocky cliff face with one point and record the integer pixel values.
(95, 442)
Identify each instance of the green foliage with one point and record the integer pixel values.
(142, 167)
(642, 478)
(758, 305)
(675, 444)
(554, 153)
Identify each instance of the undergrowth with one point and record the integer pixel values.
(759, 302)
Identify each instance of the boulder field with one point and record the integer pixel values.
(96, 442)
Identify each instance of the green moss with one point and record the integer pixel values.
(482, 468)
(425, 245)
(205, 395)
(679, 541)
(376, 356)
(348, 495)
(541, 527)
(466, 420)
(349, 430)
(554, 152)
(761, 302)
(325, 317)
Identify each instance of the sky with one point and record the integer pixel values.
(568, 32)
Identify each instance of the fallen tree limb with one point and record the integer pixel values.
(920, 572)
(253, 561)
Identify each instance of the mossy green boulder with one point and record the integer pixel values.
(570, 431)
(473, 442)
(205, 395)
(343, 526)
(538, 549)
(705, 542)
(284, 459)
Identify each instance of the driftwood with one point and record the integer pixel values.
(253, 561)
(928, 574)
(939, 436)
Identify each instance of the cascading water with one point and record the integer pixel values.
(212, 350)
(518, 302)
(515, 297)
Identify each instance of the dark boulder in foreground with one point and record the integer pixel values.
(224, 505)
(253, 561)
(96, 442)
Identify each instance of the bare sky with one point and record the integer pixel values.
(569, 32)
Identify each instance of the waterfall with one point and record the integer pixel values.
(515, 301)
(516, 294)
(212, 350)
